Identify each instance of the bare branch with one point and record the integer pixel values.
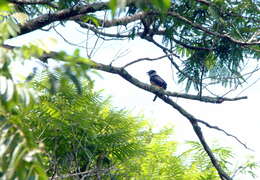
(147, 59)
(96, 31)
(67, 41)
(199, 134)
(124, 21)
(226, 133)
(207, 99)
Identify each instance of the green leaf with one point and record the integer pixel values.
(210, 61)
(91, 19)
(162, 5)
(113, 6)
(17, 156)
(13, 27)
(4, 5)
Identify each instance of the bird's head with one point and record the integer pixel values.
(151, 72)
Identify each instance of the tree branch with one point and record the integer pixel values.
(68, 13)
(198, 26)
(98, 32)
(149, 59)
(61, 15)
(136, 82)
(199, 134)
(125, 75)
(124, 20)
(104, 34)
(225, 132)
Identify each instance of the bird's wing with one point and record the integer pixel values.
(158, 81)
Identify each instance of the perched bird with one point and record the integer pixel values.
(156, 80)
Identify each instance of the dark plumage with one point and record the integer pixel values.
(156, 80)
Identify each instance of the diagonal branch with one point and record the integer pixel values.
(125, 75)
(99, 32)
(61, 15)
(136, 82)
(149, 59)
(200, 136)
(225, 132)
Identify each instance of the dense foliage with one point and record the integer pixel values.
(80, 135)
(83, 132)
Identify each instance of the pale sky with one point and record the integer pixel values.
(239, 118)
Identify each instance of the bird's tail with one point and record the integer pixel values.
(154, 97)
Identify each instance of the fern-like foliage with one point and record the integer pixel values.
(82, 131)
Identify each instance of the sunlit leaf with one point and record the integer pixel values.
(91, 19)
(163, 5)
(4, 5)
(113, 6)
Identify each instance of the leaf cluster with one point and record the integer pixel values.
(82, 131)
(19, 156)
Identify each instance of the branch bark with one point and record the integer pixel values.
(61, 15)
(153, 89)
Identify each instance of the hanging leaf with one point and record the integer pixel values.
(210, 61)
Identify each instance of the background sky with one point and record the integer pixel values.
(240, 118)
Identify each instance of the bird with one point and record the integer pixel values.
(156, 80)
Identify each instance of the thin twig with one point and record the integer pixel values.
(91, 172)
(146, 59)
(225, 132)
